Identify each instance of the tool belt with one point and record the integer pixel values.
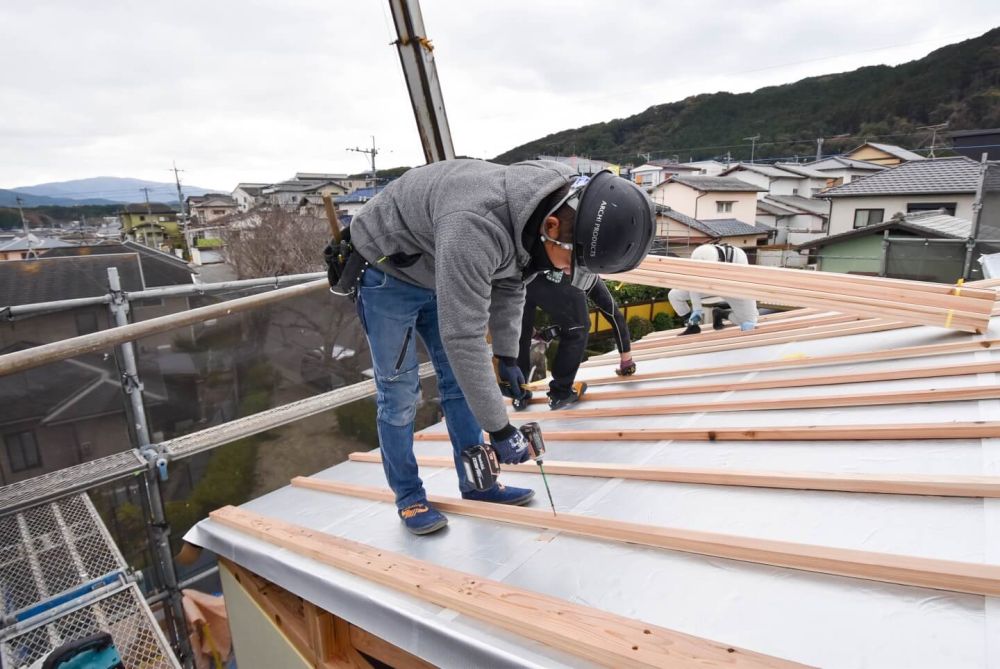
(344, 266)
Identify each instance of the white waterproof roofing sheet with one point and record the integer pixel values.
(816, 619)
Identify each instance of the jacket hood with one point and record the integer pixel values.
(528, 184)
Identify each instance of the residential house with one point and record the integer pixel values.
(840, 170)
(208, 208)
(651, 174)
(74, 411)
(902, 247)
(248, 195)
(349, 205)
(706, 198)
(290, 195)
(795, 220)
(348, 182)
(153, 224)
(882, 154)
(780, 178)
(974, 143)
(711, 168)
(19, 248)
(920, 185)
(681, 234)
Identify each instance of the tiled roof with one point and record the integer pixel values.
(806, 204)
(774, 209)
(726, 227)
(48, 279)
(801, 170)
(894, 150)
(840, 162)
(921, 223)
(718, 184)
(760, 168)
(934, 175)
(158, 268)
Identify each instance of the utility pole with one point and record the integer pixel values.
(644, 156)
(180, 195)
(416, 56)
(372, 152)
(934, 130)
(819, 148)
(24, 224)
(149, 210)
(753, 144)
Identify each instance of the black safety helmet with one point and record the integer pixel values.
(614, 223)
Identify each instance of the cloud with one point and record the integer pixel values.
(241, 91)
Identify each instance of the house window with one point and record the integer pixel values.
(218, 212)
(22, 451)
(142, 218)
(86, 322)
(865, 217)
(724, 207)
(949, 207)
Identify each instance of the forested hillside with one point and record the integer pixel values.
(958, 84)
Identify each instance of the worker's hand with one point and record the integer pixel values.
(510, 445)
(511, 377)
(747, 326)
(626, 368)
(696, 317)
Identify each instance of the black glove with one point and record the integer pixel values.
(511, 377)
(510, 444)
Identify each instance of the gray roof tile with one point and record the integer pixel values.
(934, 175)
(719, 184)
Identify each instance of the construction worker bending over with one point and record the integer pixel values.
(446, 249)
(565, 301)
(740, 311)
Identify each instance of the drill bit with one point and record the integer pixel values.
(545, 480)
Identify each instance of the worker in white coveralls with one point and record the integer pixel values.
(741, 311)
(442, 254)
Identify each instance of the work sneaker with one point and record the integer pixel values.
(557, 402)
(422, 518)
(501, 494)
(691, 329)
(718, 318)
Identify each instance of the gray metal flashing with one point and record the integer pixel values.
(781, 612)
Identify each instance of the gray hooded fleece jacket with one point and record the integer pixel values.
(460, 223)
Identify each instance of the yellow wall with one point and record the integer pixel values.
(598, 323)
(873, 155)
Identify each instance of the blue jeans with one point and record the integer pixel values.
(391, 312)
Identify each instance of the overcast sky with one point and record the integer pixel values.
(255, 91)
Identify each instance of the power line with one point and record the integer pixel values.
(372, 152)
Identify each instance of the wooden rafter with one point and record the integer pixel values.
(874, 432)
(801, 362)
(599, 636)
(800, 382)
(809, 402)
(889, 484)
(974, 578)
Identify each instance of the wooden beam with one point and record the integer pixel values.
(898, 309)
(891, 484)
(875, 432)
(803, 361)
(974, 578)
(383, 651)
(852, 287)
(809, 402)
(767, 339)
(596, 635)
(801, 382)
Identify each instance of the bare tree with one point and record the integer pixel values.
(266, 242)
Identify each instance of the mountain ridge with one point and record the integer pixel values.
(958, 83)
(98, 190)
